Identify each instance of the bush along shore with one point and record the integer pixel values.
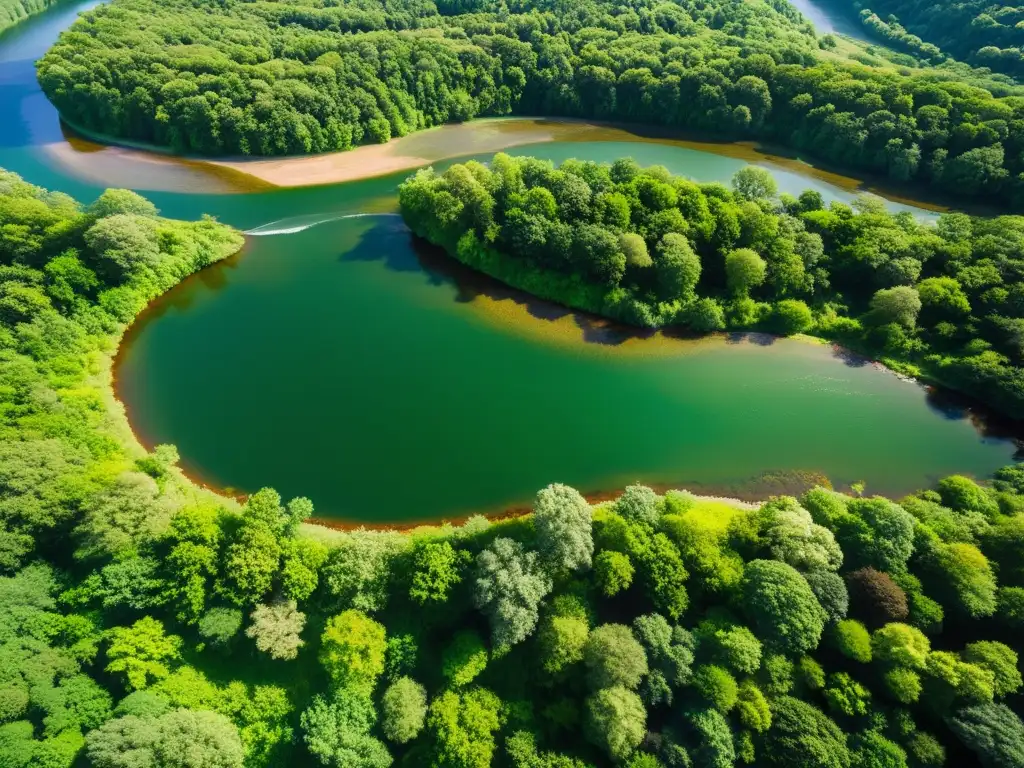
(942, 300)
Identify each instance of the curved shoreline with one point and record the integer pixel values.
(90, 155)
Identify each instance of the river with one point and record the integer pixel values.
(332, 358)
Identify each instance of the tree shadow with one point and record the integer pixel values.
(991, 425)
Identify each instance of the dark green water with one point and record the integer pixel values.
(337, 363)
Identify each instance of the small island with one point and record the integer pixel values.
(640, 246)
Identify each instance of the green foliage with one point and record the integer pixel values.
(993, 732)
(900, 645)
(464, 658)
(352, 650)
(845, 696)
(871, 749)
(802, 737)
(562, 519)
(614, 572)
(177, 739)
(716, 686)
(509, 586)
(276, 629)
(614, 658)
(337, 731)
(615, 721)
(143, 652)
(1000, 660)
(462, 725)
(404, 710)
(781, 606)
(437, 569)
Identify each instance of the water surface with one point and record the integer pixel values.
(337, 361)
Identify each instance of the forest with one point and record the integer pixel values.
(147, 623)
(15, 11)
(275, 78)
(979, 32)
(941, 300)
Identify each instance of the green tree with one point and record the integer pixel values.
(993, 732)
(753, 183)
(437, 569)
(900, 304)
(613, 572)
(337, 731)
(352, 650)
(404, 710)
(615, 721)
(562, 519)
(464, 658)
(509, 586)
(781, 606)
(803, 737)
(744, 271)
(143, 652)
(614, 658)
(178, 739)
(276, 629)
(463, 725)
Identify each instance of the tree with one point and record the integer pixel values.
(963, 579)
(706, 315)
(219, 625)
(852, 639)
(613, 572)
(900, 645)
(993, 732)
(830, 589)
(180, 738)
(900, 304)
(752, 708)
(276, 629)
(638, 504)
(562, 519)
(635, 249)
(792, 316)
(876, 597)
(716, 686)
(678, 268)
(358, 570)
(845, 696)
(878, 534)
(744, 271)
(615, 721)
(352, 650)
(509, 586)
(437, 570)
(142, 652)
(713, 737)
(781, 606)
(803, 737)
(1000, 660)
(463, 726)
(404, 709)
(562, 639)
(337, 731)
(614, 658)
(464, 658)
(870, 749)
(117, 201)
(753, 183)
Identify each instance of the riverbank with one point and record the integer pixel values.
(110, 161)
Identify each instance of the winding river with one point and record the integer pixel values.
(335, 358)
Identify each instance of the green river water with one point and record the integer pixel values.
(335, 359)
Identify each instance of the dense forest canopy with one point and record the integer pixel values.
(14, 11)
(145, 623)
(273, 78)
(651, 249)
(980, 32)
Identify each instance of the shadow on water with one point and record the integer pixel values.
(989, 424)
